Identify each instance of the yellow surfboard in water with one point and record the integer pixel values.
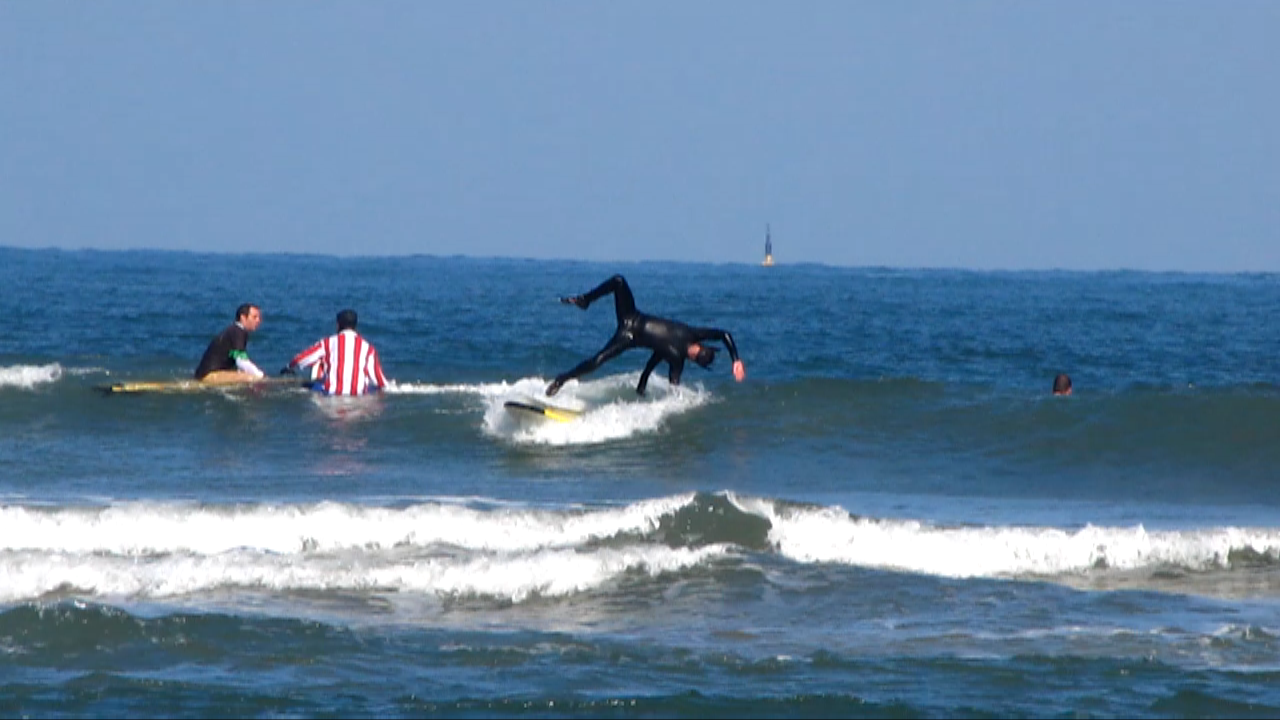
(221, 380)
(547, 411)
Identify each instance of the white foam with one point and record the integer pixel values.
(347, 409)
(831, 535)
(547, 573)
(86, 371)
(438, 547)
(137, 529)
(611, 409)
(481, 389)
(28, 377)
(513, 577)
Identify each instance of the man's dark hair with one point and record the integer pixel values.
(1061, 384)
(706, 355)
(243, 310)
(347, 320)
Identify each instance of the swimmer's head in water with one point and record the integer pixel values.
(703, 355)
(1062, 384)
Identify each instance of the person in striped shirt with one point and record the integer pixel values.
(342, 364)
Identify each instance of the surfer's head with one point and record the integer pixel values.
(346, 320)
(1062, 384)
(249, 316)
(702, 354)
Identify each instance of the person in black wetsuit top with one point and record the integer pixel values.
(669, 340)
(228, 351)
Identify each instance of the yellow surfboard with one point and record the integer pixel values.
(221, 380)
(547, 411)
(163, 386)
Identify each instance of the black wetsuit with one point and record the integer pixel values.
(223, 350)
(669, 339)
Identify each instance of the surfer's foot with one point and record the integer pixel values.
(554, 387)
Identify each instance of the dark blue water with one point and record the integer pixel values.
(891, 516)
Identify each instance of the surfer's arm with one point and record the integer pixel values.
(244, 364)
(739, 369)
(308, 357)
(375, 369)
(723, 336)
(648, 370)
(675, 368)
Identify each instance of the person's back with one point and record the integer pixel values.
(348, 364)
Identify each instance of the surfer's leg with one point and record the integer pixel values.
(619, 343)
(624, 304)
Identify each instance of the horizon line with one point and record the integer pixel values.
(744, 263)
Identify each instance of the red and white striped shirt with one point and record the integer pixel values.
(347, 363)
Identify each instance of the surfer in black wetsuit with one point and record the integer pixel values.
(228, 351)
(669, 340)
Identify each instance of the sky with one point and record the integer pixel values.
(983, 135)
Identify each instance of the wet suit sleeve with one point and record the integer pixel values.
(702, 334)
(649, 367)
(244, 364)
(675, 368)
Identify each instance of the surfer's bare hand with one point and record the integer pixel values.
(739, 371)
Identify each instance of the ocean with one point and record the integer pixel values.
(890, 517)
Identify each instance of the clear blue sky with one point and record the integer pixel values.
(1018, 135)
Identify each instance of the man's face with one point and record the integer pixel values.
(252, 320)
